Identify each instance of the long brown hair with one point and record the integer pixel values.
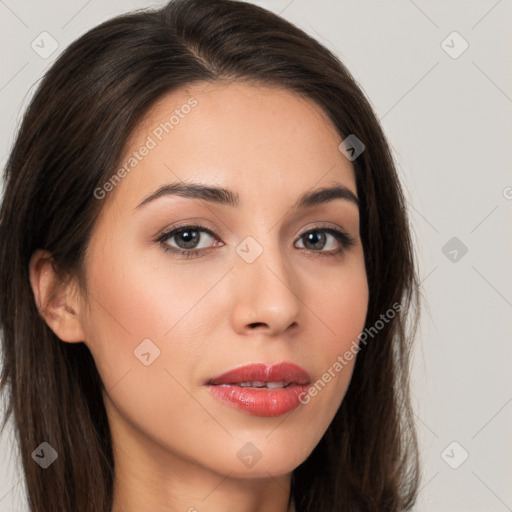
(69, 144)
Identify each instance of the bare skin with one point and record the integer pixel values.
(176, 446)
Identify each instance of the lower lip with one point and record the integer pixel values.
(260, 401)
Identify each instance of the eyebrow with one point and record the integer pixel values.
(227, 197)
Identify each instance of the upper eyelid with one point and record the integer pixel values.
(212, 231)
(168, 231)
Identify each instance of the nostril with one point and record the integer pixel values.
(257, 324)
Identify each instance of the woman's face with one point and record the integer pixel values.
(268, 282)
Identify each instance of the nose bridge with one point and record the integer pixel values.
(262, 252)
(265, 281)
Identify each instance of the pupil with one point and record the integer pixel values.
(315, 235)
(190, 235)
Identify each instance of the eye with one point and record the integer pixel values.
(318, 238)
(186, 237)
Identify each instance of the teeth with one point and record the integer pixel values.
(275, 384)
(261, 384)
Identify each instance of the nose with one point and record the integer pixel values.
(266, 295)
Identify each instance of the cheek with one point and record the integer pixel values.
(342, 304)
(340, 309)
(145, 331)
(141, 306)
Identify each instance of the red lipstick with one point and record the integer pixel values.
(260, 389)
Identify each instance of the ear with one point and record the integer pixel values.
(57, 302)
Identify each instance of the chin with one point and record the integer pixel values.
(263, 459)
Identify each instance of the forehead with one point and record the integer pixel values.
(250, 138)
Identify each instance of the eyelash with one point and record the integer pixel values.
(341, 236)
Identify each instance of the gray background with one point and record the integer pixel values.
(448, 121)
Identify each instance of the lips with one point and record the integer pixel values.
(260, 389)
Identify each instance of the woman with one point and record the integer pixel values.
(207, 270)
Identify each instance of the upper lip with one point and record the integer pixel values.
(288, 373)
